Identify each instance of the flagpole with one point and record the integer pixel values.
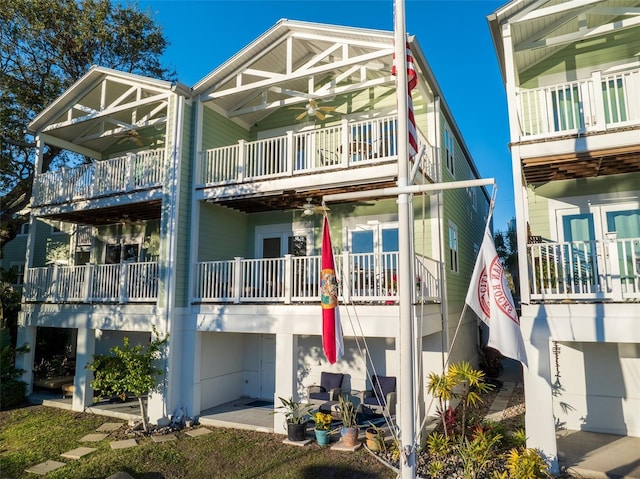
(405, 344)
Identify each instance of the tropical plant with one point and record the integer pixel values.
(477, 453)
(294, 411)
(323, 421)
(527, 463)
(438, 444)
(444, 388)
(472, 384)
(347, 411)
(128, 369)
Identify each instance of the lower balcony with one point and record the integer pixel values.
(92, 283)
(603, 270)
(363, 278)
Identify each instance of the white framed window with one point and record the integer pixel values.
(473, 197)
(275, 241)
(453, 248)
(449, 151)
(18, 268)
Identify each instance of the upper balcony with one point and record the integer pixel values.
(592, 271)
(598, 103)
(130, 173)
(561, 127)
(307, 160)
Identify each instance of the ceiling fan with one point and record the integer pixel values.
(313, 110)
(130, 135)
(309, 209)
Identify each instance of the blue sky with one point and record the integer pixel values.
(453, 34)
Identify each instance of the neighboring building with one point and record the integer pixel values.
(572, 76)
(191, 217)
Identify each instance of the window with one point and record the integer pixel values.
(56, 228)
(453, 247)
(24, 229)
(18, 270)
(474, 198)
(448, 146)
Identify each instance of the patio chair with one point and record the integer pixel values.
(381, 398)
(330, 388)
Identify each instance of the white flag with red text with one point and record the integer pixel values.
(490, 298)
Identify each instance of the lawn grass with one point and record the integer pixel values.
(34, 434)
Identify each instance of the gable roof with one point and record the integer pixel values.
(539, 28)
(295, 61)
(101, 104)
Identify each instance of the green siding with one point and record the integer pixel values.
(183, 213)
(14, 252)
(539, 196)
(219, 131)
(470, 222)
(618, 47)
(222, 233)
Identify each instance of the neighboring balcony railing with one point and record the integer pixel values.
(362, 278)
(597, 103)
(348, 144)
(586, 270)
(93, 283)
(133, 172)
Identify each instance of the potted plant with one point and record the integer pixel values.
(374, 436)
(323, 428)
(297, 416)
(349, 431)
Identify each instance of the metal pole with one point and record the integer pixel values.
(404, 344)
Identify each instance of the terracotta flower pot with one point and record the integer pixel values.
(374, 439)
(349, 436)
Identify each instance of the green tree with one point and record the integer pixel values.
(129, 369)
(507, 248)
(45, 46)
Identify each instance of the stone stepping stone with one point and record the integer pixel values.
(340, 446)
(110, 427)
(164, 438)
(124, 444)
(201, 431)
(93, 437)
(45, 467)
(78, 452)
(297, 443)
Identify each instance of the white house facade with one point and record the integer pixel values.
(572, 76)
(197, 213)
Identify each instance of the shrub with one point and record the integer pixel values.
(527, 464)
(13, 391)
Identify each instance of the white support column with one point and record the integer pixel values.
(539, 420)
(24, 361)
(85, 349)
(287, 377)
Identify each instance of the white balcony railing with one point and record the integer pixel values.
(135, 171)
(348, 144)
(367, 278)
(93, 283)
(586, 270)
(597, 103)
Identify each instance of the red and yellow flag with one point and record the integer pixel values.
(331, 329)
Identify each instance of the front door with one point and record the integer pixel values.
(267, 366)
